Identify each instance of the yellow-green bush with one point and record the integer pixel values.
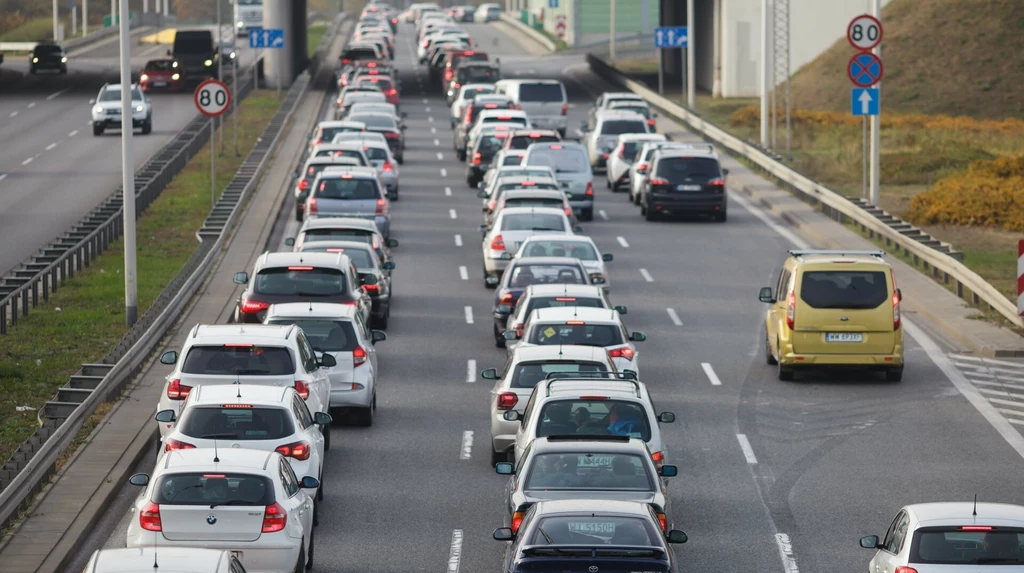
(989, 194)
(750, 116)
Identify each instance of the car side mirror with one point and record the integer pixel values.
(491, 281)
(388, 266)
(327, 361)
(870, 542)
(324, 419)
(668, 471)
(143, 480)
(503, 534)
(480, 185)
(295, 175)
(166, 416)
(169, 357)
(637, 336)
(402, 127)
(766, 295)
(607, 257)
(725, 172)
(621, 309)
(676, 536)
(578, 230)
(378, 336)
(628, 374)
(289, 242)
(510, 335)
(503, 468)
(241, 278)
(642, 170)
(506, 256)
(483, 195)
(666, 417)
(512, 416)
(597, 280)
(489, 374)
(392, 243)
(309, 482)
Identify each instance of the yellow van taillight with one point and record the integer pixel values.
(895, 302)
(791, 310)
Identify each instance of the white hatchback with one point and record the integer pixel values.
(249, 502)
(583, 326)
(579, 247)
(513, 226)
(169, 559)
(623, 156)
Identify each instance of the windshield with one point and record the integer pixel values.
(197, 488)
(375, 120)
(620, 126)
(595, 418)
(114, 94)
(541, 274)
(361, 258)
(524, 141)
(581, 250)
(325, 335)
(383, 83)
(528, 374)
(581, 334)
(347, 189)
(561, 160)
(955, 546)
(243, 359)
(599, 471)
(161, 66)
(46, 50)
(559, 301)
(479, 74)
(233, 423)
(630, 149)
(844, 289)
(676, 169)
(533, 202)
(473, 92)
(376, 153)
(593, 529)
(512, 159)
(313, 235)
(541, 93)
(533, 222)
(300, 281)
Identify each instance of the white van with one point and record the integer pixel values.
(544, 101)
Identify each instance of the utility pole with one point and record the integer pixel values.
(876, 123)
(691, 68)
(611, 32)
(113, 12)
(764, 73)
(131, 300)
(220, 73)
(56, 20)
(234, 89)
(85, 17)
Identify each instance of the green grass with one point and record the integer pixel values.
(38, 30)
(314, 34)
(85, 319)
(641, 66)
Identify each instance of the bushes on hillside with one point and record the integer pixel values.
(750, 116)
(989, 194)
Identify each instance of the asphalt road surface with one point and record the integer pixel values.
(773, 476)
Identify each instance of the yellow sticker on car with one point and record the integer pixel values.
(549, 332)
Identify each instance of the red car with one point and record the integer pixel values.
(163, 74)
(385, 83)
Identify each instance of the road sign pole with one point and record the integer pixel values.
(131, 296)
(866, 162)
(764, 73)
(611, 31)
(220, 68)
(876, 122)
(691, 67)
(213, 161)
(661, 71)
(234, 90)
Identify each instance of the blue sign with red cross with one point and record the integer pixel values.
(865, 69)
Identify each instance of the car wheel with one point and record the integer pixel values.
(326, 430)
(364, 416)
(300, 564)
(316, 512)
(320, 491)
(785, 372)
(587, 214)
(312, 545)
(608, 183)
(400, 159)
(894, 375)
(395, 196)
(298, 215)
(647, 212)
(147, 127)
(634, 198)
(97, 130)
(721, 217)
(382, 321)
(461, 154)
(499, 340)
(32, 70)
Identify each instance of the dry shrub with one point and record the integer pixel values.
(750, 116)
(989, 194)
(11, 20)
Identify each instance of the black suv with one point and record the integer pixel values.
(48, 57)
(682, 182)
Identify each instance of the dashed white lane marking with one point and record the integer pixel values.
(437, 142)
(447, 191)
(748, 452)
(455, 553)
(54, 96)
(426, 109)
(710, 373)
(444, 172)
(604, 216)
(463, 273)
(12, 114)
(433, 130)
(786, 553)
(31, 105)
(453, 214)
(465, 454)
(458, 240)
(425, 100)
(622, 241)
(51, 146)
(430, 119)
(440, 156)
(27, 161)
(88, 122)
(647, 276)
(470, 369)
(469, 315)
(73, 133)
(3, 176)
(674, 317)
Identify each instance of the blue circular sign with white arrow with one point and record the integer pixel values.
(865, 69)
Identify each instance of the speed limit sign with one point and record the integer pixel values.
(212, 98)
(864, 32)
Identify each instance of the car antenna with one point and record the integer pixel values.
(156, 565)
(238, 388)
(975, 512)
(216, 456)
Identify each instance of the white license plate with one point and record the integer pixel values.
(688, 187)
(844, 337)
(568, 195)
(159, 84)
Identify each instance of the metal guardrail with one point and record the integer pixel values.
(936, 257)
(31, 472)
(536, 36)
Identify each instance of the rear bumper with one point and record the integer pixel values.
(698, 203)
(495, 266)
(894, 360)
(503, 433)
(560, 122)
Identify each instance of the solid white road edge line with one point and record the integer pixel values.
(748, 452)
(647, 276)
(437, 142)
(674, 317)
(786, 553)
(466, 452)
(469, 315)
(622, 241)
(710, 372)
(471, 371)
(463, 273)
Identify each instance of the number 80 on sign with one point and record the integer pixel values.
(864, 32)
(212, 98)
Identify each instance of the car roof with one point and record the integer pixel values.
(527, 210)
(300, 310)
(960, 513)
(520, 81)
(477, 86)
(491, 98)
(642, 137)
(529, 192)
(599, 507)
(526, 178)
(337, 222)
(684, 152)
(529, 131)
(584, 443)
(343, 122)
(348, 171)
(567, 388)
(565, 145)
(560, 352)
(621, 95)
(565, 290)
(267, 335)
(586, 314)
(170, 559)
(549, 260)
(559, 237)
(609, 114)
(837, 256)
(231, 459)
(256, 394)
(499, 112)
(292, 258)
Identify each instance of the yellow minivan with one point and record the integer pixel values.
(834, 308)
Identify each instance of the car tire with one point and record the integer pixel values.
(587, 214)
(364, 416)
(300, 563)
(147, 128)
(326, 431)
(499, 340)
(316, 513)
(785, 372)
(298, 215)
(97, 130)
(461, 154)
(634, 198)
(32, 70)
(894, 375)
(721, 217)
(320, 490)
(382, 321)
(309, 555)
(769, 358)
(647, 212)
(400, 159)
(608, 184)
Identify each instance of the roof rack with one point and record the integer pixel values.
(842, 253)
(705, 147)
(630, 377)
(587, 438)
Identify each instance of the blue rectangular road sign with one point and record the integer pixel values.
(552, 3)
(266, 38)
(865, 101)
(671, 37)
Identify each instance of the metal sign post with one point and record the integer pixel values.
(212, 99)
(691, 64)
(865, 71)
(263, 38)
(131, 294)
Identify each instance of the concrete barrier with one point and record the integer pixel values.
(538, 37)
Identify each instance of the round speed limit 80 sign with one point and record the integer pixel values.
(864, 32)
(212, 98)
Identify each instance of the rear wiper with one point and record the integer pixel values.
(233, 502)
(991, 560)
(315, 294)
(543, 229)
(220, 436)
(252, 372)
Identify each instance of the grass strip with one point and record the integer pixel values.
(85, 319)
(314, 34)
(38, 30)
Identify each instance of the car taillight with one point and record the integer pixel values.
(391, 92)
(391, 135)
(517, 520)
(497, 243)
(173, 445)
(641, 166)
(303, 184)
(382, 206)
(149, 517)
(507, 298)
(469, 115)
(177, 391)
(895, 311)
(717, 183)
(297, 450)
(659, 459)
(568, 211)
(507, 400)
(388, 166)
(312, 206)
(791, 310)
(650, 122)
(904, 569)
(565, 109)
(448, 75)
(359, 356)
(457, 85)
(426, 43)
(274, 518)
(477, 158)
(254, 306)
(346, 60)
(663, 520)
(371, 288)
(302, 389)
(656, 181)
(590, 188)
(623, 352)
(394, 20)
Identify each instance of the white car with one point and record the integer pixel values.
(106, 110)
(493, 176)
(168, 559)
(487, 13)
(229, 354)
(340, 331)
(466, 95)
(602, 131)
(950, 537)
(583, 326)
(579, 247)
(517, 117)
(623, 156)
(377, 152)
(513, 226)
(557, 295)
(249, 502)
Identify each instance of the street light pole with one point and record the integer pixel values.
(234, 89)
(876, 125)
(691, 73)
(611, 32)
(131, 301)
(55, 21)
(85, 17)
(220, 71)
(764, 74)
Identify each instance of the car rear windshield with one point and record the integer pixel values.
(300, 281)
(474, 57)
(512, 159)
(593, 529)
(968, 546)
(314, 169)
(597, 471)
(536, 185)
(211, 489)
(472, 93)
(561, 160)
(239, 360)
(488, 145)
(676, 169)
(533, 202)
(541, 93)
(553, 248)
(382, 83)
(546, 334)
(594, 417)
(528, 374)
(482, 74)
(641, 109)
(620, 126)
(323, 334)
(844, 289)
(359, 54)
(328, 133)
(560, 301)
(160, 66)
(376, 153)
(358, 156)
(360, 258)
(542, 274)
(532, 222)
(524, 141)
(232, 422)
(630, 149)
(375, 120)
(356, 189)
(328, 234)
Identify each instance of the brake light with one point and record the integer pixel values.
(556, 147)
(394, 20)
(312, 206)
(388, 166)
(172, 445)
(507, 400)
(657, 181)
(590, 188)
(491, 106)
(274, 518)
(663, 520)
(457, 85)
(469, 115)
(659, 459)
(717, 183)
(641, 166)
(593, 397)
(791, 310)
(519, 328)
(976, 528)
(177, 391)
(371, 288)
(426, 43)
(904, 569)
(575, 322)
(391, 135)
(302, 389)
(448, 74)
(303, 184)
(476, 158)
(297, 450)
(517, 520)
(565, 109)
(528, 184)
(382, 206)
(497, 243)
(298, 269)
(391, 92)
(650, 122)
(149, 517)
(504, 117)
(565, 299)
(346, 60)
(492, 205)
(506, 298)
(359, 356)
(624, 352)
(568, 211)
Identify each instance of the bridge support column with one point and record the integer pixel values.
(279, 63)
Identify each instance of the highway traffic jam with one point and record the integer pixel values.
(246, 416)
